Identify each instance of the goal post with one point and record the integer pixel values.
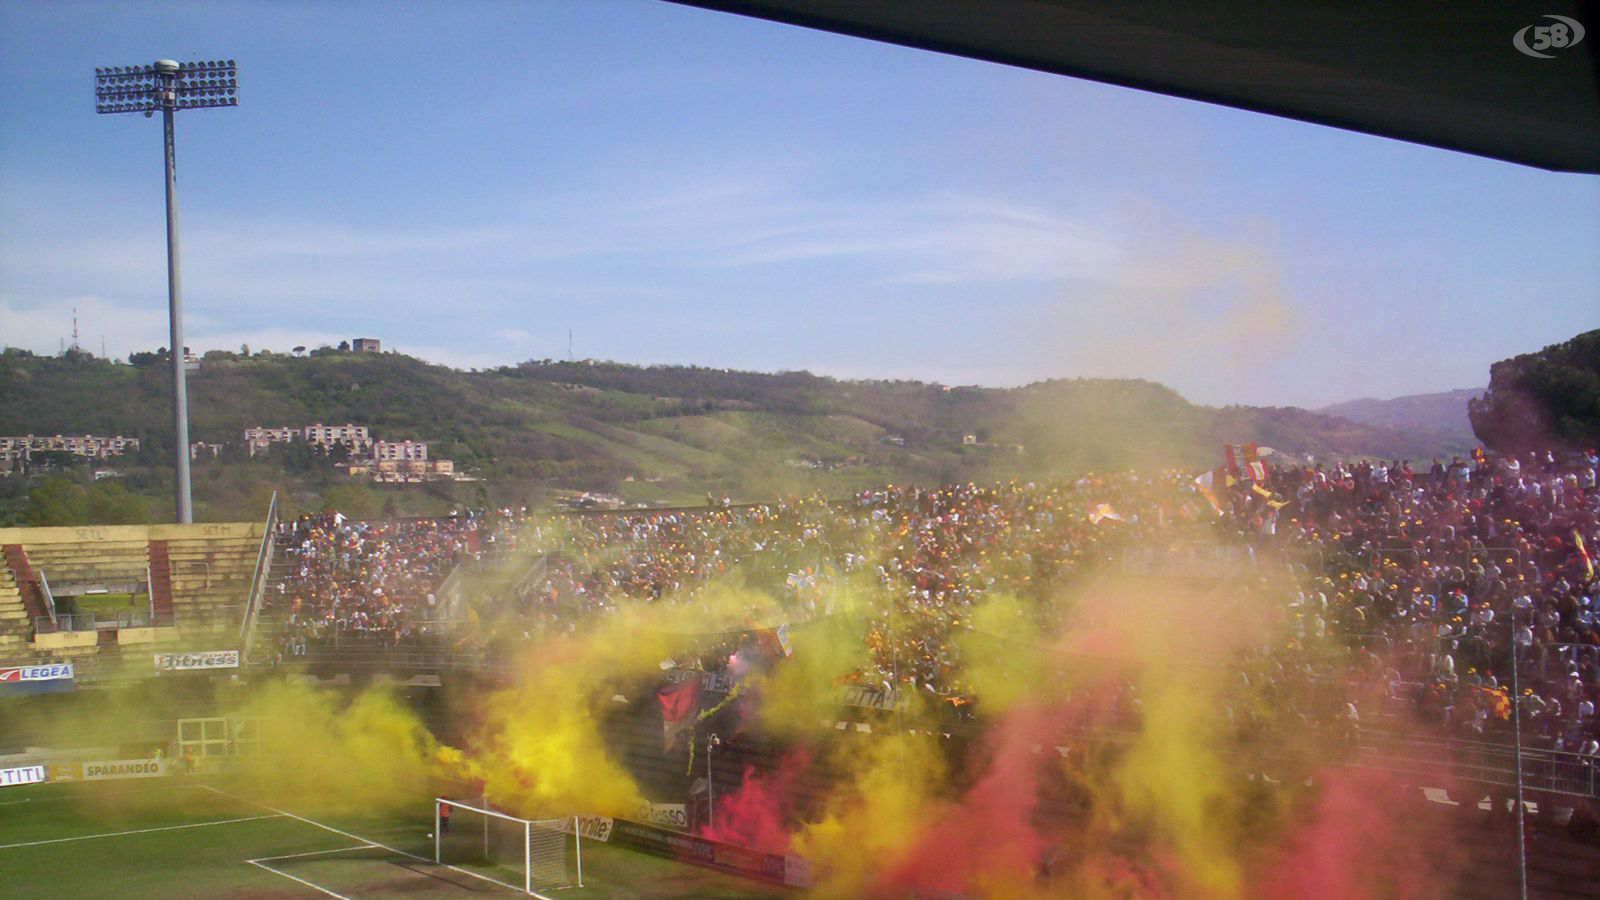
(529, 854)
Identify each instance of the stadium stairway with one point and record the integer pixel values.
(15, 626)
(25, 581)
(107, 647)
(274, 611)
(160, 582)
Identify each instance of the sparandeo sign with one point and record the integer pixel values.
(124, 768)
(185, 662)
(49, 672)
(21, 775)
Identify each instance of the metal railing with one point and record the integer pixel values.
(135, 619)
(181, 567)
(448, 593)
(1549, 771)
(258, 581)
(93, 621)
(396, 659)
(64, 622)
(531, 579)
(49, 598)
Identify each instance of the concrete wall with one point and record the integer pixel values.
(75, 534)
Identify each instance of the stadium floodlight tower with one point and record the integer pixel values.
(170, 86)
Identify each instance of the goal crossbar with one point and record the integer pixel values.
(457, 804)
(565, 825)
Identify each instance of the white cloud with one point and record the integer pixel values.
(125, 329)
(508, 287)
(944, 239)
(44, 328)
(454, 357)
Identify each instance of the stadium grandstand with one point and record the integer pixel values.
(1434, 624)
(87, 594)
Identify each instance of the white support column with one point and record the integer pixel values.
(527, 857)
(438, 833)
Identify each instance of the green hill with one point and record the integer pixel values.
(648, 434)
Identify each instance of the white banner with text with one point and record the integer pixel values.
(21, 775)
(210, 659)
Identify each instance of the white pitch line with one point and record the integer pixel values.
(261, 859)
(15, 802)
(315, 887)
(357, 837)
(87, 837)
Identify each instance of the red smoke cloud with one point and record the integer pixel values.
(987, 840)
(1364, 835)
(757, 814)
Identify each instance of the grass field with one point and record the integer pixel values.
(193, 837)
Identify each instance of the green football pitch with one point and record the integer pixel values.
(194, 837)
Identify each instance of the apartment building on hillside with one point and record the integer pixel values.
(258, 439)
(399, 450)
(324, 437)
(15, 449)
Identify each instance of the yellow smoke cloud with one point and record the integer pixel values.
(875, 815)
(326, 751)
(540, 749)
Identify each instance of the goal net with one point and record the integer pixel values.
(530, 854)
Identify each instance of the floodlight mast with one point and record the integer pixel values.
(170, 86)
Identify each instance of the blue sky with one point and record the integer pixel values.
(469, 181)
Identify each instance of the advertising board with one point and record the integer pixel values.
(665, 815)
(47, 672)
(774, 868)
(208, 659)
(21, 775)
(595, 828)
(124, 768)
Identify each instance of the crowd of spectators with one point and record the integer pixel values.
(1432, 575)
(1420, 579)
(364, 582)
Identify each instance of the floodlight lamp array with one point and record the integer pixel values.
(195, 85)
(125, 89)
